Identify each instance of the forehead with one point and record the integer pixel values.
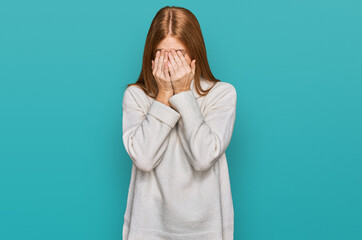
(171, 43)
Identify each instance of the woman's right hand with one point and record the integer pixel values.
(161, 74)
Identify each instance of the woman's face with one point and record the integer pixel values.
(172, 43)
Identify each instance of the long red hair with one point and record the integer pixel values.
(181, 24)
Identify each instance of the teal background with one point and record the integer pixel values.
(295, 157)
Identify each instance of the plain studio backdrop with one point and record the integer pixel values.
(295, 157)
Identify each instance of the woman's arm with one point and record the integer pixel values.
(205, 139)
(146, 137)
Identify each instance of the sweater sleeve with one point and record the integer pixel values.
(146, 136)
(205, 138)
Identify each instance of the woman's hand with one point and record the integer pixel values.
(160, 72)
(181, 72)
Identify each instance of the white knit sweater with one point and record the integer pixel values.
(180, 186)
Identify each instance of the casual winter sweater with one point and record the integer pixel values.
(180, 186)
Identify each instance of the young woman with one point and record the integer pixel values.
(177, 123)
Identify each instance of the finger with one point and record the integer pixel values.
(183, 60)
(156, 62)
(164, 63)
(167, 74)
(177, 59)
(173, 62)
(170, 68)
(159, 67)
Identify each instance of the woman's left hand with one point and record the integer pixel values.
(181, 72)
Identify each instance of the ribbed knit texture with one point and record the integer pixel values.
(179, 187)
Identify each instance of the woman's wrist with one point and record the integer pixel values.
(163, 97)
(182, 90)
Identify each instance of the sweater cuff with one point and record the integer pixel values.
(186, 104)
(164, 113)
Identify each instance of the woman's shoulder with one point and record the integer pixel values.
(135, 92)
(221, 95)
(134, 89)
(221, 88)
(134, 95)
